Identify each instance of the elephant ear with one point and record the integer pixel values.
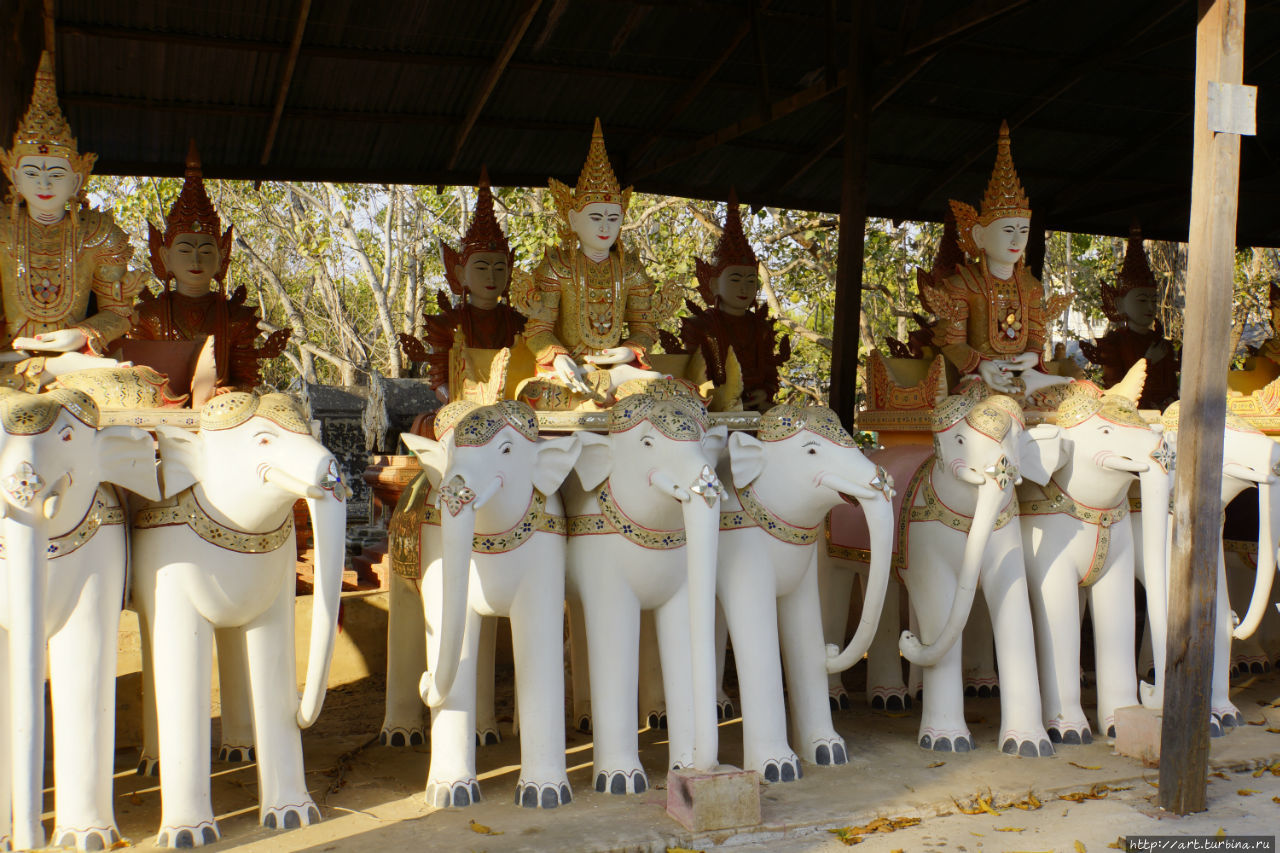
(554, 459)
(1041, 452)
(714, 441)
(746, 458)
(127, 457)
(595, 459)
(181, 459)
(431, 454)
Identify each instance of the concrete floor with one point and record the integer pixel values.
(371, 796)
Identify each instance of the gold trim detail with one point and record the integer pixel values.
(756, 514)
(1056, 501)
(184, 509)
(100, 513)
(613, 520)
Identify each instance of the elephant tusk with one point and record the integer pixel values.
(289, 483)
(669, 486)
(51, 505)
(1115, 462)
(1245, 473)
(427, 690)
(489, 491)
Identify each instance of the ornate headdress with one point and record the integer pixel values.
(31, 414)
(44, 131)
(484, 234)
(733, 250)
(228, 411)
(1134, 273)
(474, 425)
(1004, 197)
(597, 183)
(191, 213)
(783, 421)
(990, 414)
(669, 404)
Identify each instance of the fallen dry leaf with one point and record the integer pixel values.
(853, 834)
(1080, 847)
(1257, 773)
(1011, 829)
(936, 764)
(1028, 804)
(1095, 792)
(1117, 844)
(1219, 774)
(1247, 792)
(1273, 731)
(121, 843)
(683, 850)
(1086, 766)
(481, 829)
(1275, 799)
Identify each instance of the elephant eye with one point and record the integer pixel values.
(506, 449)
(646, 441)
(1105, 430)
(66, 433)
(264, 438)
(959, 439)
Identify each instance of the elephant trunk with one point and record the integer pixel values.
(880, 523)
(991, 498)
(27, 569)
(329, 525)
(457, 531)
(1154, 485)
(1268, 528)
(702, 531)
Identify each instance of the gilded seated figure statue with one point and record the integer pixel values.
(478, 273)
(733, 321)
(52, 260)
(992, 311)
(193, 252)
(1130, 304)
(593, 310)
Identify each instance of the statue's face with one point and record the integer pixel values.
(485, 277)
(1138, 306)
(737, 287)
(597, 225)
(193, 259)
(47, 184)
(1004, 241)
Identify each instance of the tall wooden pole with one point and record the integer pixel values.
(847, 320)
(1197, 519)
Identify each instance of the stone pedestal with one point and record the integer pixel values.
(703, 801)
(1138, 734)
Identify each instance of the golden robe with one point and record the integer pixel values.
(982, 317)
(48, 273)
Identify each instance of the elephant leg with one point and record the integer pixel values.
(835, 583)
(724, 703)
(182, 649)
(804, 656)
(1224, 715)
(1004, 586)
(486, 722)
(1247, 655)
(612, 617)
(579, 668)
(1054, 594)
(746, 591)
(942, 725)
(1146, 655)
(1111, 601)
(451, 775)
(978, 660)
(283, 801)
(885, 688)
(915, 673)
(82, 668)
(652, 701)
(671, 621)
(149, 761)
(404, 723)
(233, 694)
(6, 752)
(537, 641)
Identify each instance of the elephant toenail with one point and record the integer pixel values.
(653, 721)
(1046, 749)
(566, 796)
(926, 742)
(142, 768)
(461, 796)
(269, 821)
(1071, 738)
(550, 798)
(943, 745)
(642, 783)
(845, 704)
(491, 739)
(822, 756)
(601, 783)
(1086, 736)
(415, 739)
(1010, 747)
(382, 738)
(584, 725)
(831, 700)
(529, 797)
(68, 840)
(1028, 750)
(1111, 731)
(162, 840)
(877, 703)
(292, 820)
(771, 772)
(209, 834)
(397, 739)
(184, 839)
(94, 842)
(788, 772)
(838, 755)
(894, 703)
(906, 702)
(115, 836)
(963, 744)
(475, 792)
(618, 784)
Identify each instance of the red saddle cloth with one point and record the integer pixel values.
(849, 525)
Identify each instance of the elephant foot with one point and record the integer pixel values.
(148, 766)
(443, 795)
(402, 736)
(889, 699)
(488, 736)
(838, 698)
(947, 740)
(829, 750)
(6, 844)
(1033, 744)
(198, 835)
(622, 781)
(1246, 665)
(725, 709)
(543, 795)
(237, 753)
(93, 838)
(784, 769)
(583, 724)
(982, 687)
(1069, 734)
(1228, 716)
(657, 720)
(290, 817)
(1215, 727)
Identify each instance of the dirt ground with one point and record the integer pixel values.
(371, 796)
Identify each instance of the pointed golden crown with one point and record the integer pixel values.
(191, 213)
(484, 234)
(1004, 197)
(1134, 273)
(597, 183)
(733, 250)
(44, 131)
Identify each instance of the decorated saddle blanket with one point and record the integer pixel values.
(847, 534)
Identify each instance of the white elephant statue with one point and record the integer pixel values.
(644, 513)
(218, 552)
(61, 517)
(1078, 542)
(957, 529)
(782, 482)
(492, 543)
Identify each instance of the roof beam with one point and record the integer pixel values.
(757, 32)
(491, 78)
(634, 18)
(960, 24)
(1131, 44)
(549, 27)
(282, 94)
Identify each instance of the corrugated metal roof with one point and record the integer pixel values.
(1100, 95)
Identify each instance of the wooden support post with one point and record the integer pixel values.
(847, 320)
(1197, 519)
